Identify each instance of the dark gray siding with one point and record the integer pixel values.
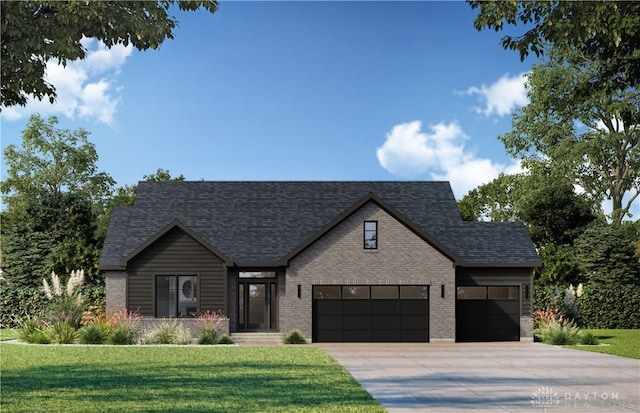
(176, 253)
(500, 276)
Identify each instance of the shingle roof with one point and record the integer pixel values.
(262, 222)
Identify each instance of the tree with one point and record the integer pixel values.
(604, 31)
(35, 32)
(54, 194)
(607, 254)
(594, 139)
(493, 201)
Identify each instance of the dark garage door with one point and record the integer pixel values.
(363, 313)
(488, 313)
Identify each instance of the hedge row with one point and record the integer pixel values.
(601, 305)
(19, 302)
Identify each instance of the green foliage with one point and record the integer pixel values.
(53, 194)
(17, 303)
(607, 255)
(206, 338)
(558, 333)
(225, 339)
(295, 337)
(494, 201)
(554, 213)
(590, 138)
(560, 266)
(167, 332)
(588, 338)
(34, 331)
(35, 32)
(62, 332)
(94, 334)
(611, 306)
(597, 31)
(121, 336)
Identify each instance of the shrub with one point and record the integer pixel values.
(65, 303)
(63, 333)
(94, 334)
(558, 333)
(121, 336)
(206, 338)
(588, 338)
(167, 332)
(209, 324)
(611, 306)
(33, 330)
(295, 337)
(16, 303)
(225, 339)
(183, 335)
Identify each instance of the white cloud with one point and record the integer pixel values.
(441, 152)
(501, 97)
(84, 88)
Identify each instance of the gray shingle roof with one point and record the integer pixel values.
(262, 222)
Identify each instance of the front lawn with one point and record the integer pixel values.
(8, 334)
(176, 379)
(620, 342)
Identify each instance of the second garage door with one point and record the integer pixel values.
(487, 313)
(377, 313)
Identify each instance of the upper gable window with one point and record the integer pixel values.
(370, 235)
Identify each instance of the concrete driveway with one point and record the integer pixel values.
(491, 377)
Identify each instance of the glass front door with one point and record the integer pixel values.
(257, 305)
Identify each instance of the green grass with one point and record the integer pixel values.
(8, 334)
(625, 343)
(176, 379)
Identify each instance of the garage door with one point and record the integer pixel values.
(377, 313)
(488, 313)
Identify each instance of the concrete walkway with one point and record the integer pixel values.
(491, 377)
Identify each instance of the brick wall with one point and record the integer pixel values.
(116, 290)
(402, 258)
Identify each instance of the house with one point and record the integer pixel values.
(339, 261)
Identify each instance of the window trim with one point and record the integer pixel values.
(375, 232)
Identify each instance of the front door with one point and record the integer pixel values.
(257, 305)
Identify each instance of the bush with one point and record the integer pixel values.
(167, 332)
(611, 306)
(225, 339)
(588, 338)
(206, 338)
(33, 330)
(16, 303)
(558, 333)
(121, 336)
(93, 334)
(63, 333)
(295, 337)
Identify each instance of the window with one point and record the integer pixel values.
(370, 235)
(176, 295)
(257, 274)
(468, 292)
(503, 293)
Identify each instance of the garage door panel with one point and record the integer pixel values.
(356, 322)
(384, 336)
(413, 322)
(385, 307)
(384, 322)
(329, 321)
(355, 307)
(480, 317)
(329, 306)
(356, 336)
(385, 315)
(414, 306)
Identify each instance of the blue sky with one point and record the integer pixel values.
(298, 91)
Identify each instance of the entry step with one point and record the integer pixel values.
(258, 339)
